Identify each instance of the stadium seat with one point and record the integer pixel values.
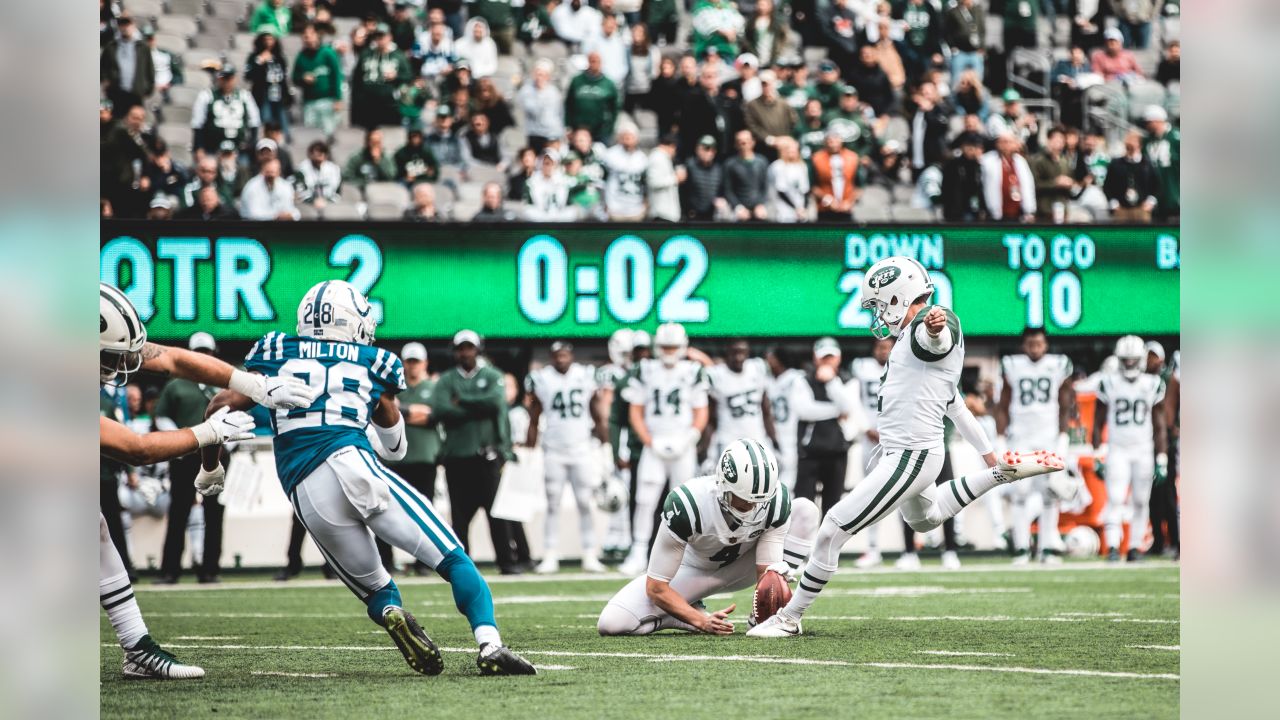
(177, 114)
(872, 214)
(182, 25)
(243, 41)
(183, 95)
(387, 193)
(343, 211)
(174, 135)
(303, 137)
(219, 26)
(146, 8)
(351, 193)
(290, 44)
(552, 50)
(176, 44)
(228, 8)
(183, 7)
(197, 79)
(445, 195)
(385, 211)
(1142, 95)
(906, 213)
(307, 211)
(394, 137)
(482, 173)
(874, 195)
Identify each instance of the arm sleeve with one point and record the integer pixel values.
(664, 559)
(967, 425)
(769, 548)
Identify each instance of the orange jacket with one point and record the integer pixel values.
(821, 180)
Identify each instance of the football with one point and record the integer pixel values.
(772, 592)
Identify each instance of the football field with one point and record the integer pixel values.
(1084, 640)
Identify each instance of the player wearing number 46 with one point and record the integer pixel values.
(1130, 406)
(919, 389)
(565, 393)
(341, 491)
(719, 533)
(668, 411)
(1036, 401)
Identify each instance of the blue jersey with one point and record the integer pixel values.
(351, 378)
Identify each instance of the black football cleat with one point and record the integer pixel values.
(499, 660)
(418, 650)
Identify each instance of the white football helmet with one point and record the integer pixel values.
(1132, 353)
(121, 336)
(611, 495)
(889, 288)
(640, 338)
(335, 310)
(671, 343)
(620, 347)
(748, 471)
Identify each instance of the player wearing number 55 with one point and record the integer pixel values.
(340, 489)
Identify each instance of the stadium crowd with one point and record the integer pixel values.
(630, 110)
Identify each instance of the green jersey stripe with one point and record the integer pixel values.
(884, 490)
(915, 471)
(693, 505)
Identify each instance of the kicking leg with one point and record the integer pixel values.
(801, 534)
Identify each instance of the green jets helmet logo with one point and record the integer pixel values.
(884, 277)
(728, 469)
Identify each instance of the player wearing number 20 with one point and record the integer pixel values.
(1131, 407)
(668, 411)
(564, 393)
(341, 491)
(719, 534)
(1035, 407)
(919, 389)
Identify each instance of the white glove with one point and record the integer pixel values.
(209, 482)
(1063, 446)
(286, 393)
(693, 438)
(787, 572)
(223, 427)
(667, 448)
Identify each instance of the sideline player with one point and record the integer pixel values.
(341, 491)
(565, 391)
(626, 347)
(1037, 396)
(719, 533)
(1131, 404)
(786, 424)
(919, 389)
(123, 349)
(668, 411)
(868, 372)
(741, 408)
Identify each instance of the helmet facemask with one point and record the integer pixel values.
(743, 517)
(115, 366)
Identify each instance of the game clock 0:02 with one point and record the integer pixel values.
(628, 292)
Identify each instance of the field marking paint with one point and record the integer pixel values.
(721, 658)
(1092, 614)
(556, 667)
(291, 674)
(207, 637)
(1170, 648)
(914, 591)
(963, 653)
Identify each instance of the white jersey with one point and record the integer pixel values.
(668, 394)
(625, 182)
(785, 421)
(1130, 404)
(918, 387)
(692, 513)
(607, 376)
(1033, 388)
(868, 373)
(739, 400)
(566, 406)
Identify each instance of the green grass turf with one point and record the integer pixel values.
(1073, 618)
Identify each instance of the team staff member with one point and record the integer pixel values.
(182, 404)
(421, 428)
(470, 402)
(820, 402)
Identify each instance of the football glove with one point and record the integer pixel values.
(667, 448)
(285, 392)
(224, 426)
(1162, 468)
(210, 482)
(787, 572)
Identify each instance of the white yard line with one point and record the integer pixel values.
(963, 653)
(766, 659)
(292, 674)
(207, 637)
(1170, 648)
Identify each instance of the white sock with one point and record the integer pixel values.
(486, 634)
(116, 595)
(955, 494)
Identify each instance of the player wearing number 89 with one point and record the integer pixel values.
(341, 491)
(1036, 399)
(1130, 405)
(668, 411)
(564, 393)
(719, 533)
(919, 389)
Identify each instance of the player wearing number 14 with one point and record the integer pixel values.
(341, 491)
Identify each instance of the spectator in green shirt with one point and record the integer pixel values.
(1164, 149)
(470, 402)
(317, 70)
(592, 101)
(1020, 20)
(271, 16)
(371, 163)
(381, 70)
(422, 429)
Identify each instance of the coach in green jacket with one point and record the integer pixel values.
(470, 401)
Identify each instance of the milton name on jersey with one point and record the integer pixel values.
(350, 377)
(1033, 406)
(1129, 407)
(692, 513)
(566, 405)
(918, 387)
(739, 398)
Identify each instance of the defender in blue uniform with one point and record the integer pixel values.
(328, 462)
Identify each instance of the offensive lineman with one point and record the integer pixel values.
(1131, 404)
(565, 391)
(1036, 398)
(341, 491)
(123, 349)
(719, 533)
(919, 389)
(741, 408)
(668, 411)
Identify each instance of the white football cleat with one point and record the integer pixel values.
(777, 626)
(592, 564)
(1014, 465)
(635, 564)
(1022, 558)
(148, 660)
(1051, 559)
(549, 566)
(869, 559)
(907, 561)
(950, 561)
